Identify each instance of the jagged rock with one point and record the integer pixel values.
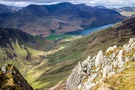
(115, 64)
(75, 78)
(111, 73)
(79, 72)
(120, 61)
(87, 65)
(106, 70)
(88, 85)
(4, 68)
(120, 55)
(126, 59)
(101, 66)
(111, 48)
(11, 79)
(79, 86)
(128, 47)
(99, 58)
(131, 40)
(98, 69)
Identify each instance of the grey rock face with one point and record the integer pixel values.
(99, 58)
(100, 67)
(75, 78)
(4, 68)
(81, 70)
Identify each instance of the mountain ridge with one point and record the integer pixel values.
(126, 11)
(11, 78)
(60, 18)
(79, 49)
(95, 70)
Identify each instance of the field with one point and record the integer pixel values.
(59, 36)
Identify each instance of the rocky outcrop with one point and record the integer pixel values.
(94, 70)
(99, 58)
(11, 79)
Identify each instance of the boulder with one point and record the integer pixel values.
(111, 48)
(88, 85)
(4, 69)
(106, 70)
(99, 58)
(75, 78)
(119, 57)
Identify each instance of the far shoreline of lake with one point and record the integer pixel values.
(88, 31)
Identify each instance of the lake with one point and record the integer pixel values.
(88, 31)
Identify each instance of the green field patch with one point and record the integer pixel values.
(59, 36)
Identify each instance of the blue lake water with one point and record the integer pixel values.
(88, 31)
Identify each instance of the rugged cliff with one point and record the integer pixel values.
(11, 79)
(102, 71)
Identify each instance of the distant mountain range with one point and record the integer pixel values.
(59, 18)
(6, 11)
(126, 11)
(47, 69)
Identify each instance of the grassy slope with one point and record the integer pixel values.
(120, 81)
(16, 45)
(124, 80)
(56, 67)
(13, 50)
(55, 37)
(61, 63)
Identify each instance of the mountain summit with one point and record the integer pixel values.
(60, 18)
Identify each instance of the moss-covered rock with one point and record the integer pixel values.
(11, 79)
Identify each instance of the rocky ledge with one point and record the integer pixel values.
(11, 79)
(95, 70)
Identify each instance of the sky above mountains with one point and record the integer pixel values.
(107, 3)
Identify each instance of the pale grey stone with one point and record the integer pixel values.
(99, 58)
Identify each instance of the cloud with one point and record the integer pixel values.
(88, 2)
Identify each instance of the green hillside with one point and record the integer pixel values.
(60, 64)
(46, 69)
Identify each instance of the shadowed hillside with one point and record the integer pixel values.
(60, 18)
(61, 63)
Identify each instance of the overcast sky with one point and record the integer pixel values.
(107, 3)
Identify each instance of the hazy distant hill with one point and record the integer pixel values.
(6, 11)
(60, 18)
(126, 11)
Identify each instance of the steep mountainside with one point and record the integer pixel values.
(15, 8)
(14, 43)
(59, 65)
(8, 35)
(11, 79)
(60, 18)
(98, 72)
(5, 11)
(126, 11)
(21, 49)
